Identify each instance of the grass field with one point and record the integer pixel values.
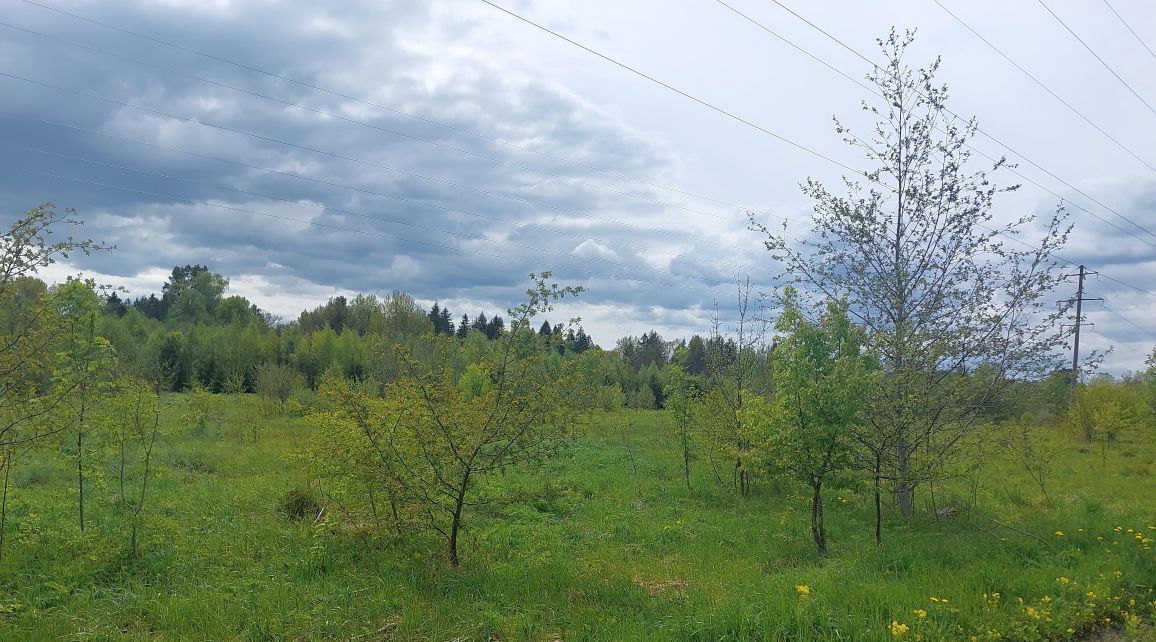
(616, 548)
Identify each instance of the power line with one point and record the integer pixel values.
(315, 150)
(1147, 331)
(393, 110)
(353, 230)
(720, 110)
(1097, 56)
(434, 122)
(1130, 29)
(676, 90)
(1041, 85)
(949, 111)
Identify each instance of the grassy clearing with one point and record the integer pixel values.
(615, 548)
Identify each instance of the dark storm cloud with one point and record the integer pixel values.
(191, 206)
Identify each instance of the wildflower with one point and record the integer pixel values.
(1059, 533)
(1032, 613)
(1047, 599)
(898, 628)
(1117, 529)
(1063, 580)
(803, 590)
(920, 613)
(1118, 574)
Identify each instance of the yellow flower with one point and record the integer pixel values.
(898, 628)
(920, 613)
(1059, 533)
(1063, 580)
(803, 590)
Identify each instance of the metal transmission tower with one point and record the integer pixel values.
(1080, 298)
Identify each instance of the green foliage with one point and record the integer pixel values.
(1104, 410)
(432, 444)
(130, 428)
(939, 290)
(822, 377)
(600, 552)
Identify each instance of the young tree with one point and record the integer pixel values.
(915, 251)
(30, 330)
(822, 377)
(439, 432)
(681, 393)
(131, 427)
(84, 366)
(733, 364)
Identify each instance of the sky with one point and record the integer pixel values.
(449, 149)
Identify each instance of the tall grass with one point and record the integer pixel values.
(614, 548)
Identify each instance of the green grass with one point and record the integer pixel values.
(616, 548)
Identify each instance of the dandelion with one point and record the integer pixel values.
(1059, 533)
(920, 613)
(1063, 580)
(803, 590)
(898, 628)
(1118, 574)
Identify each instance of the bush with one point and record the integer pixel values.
(299, 504)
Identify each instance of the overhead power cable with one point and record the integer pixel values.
(1147, 331)
(1013, 170)
(353, 230)
(393, 110)
(1041, 85)
(203, 123)
(720, 110)
(1097, 57)
(1130, 29)
(676, 90)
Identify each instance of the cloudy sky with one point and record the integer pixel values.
(448, 149)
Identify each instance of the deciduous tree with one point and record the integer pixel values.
(937, 281)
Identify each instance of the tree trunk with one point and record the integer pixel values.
(686, 460)
(456, 523)
(4, 501)
(80, 472)
(878, 504)
(906, 489)
(818, 531)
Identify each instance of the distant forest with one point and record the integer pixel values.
(196, 335)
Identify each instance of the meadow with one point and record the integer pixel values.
(609, 544)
